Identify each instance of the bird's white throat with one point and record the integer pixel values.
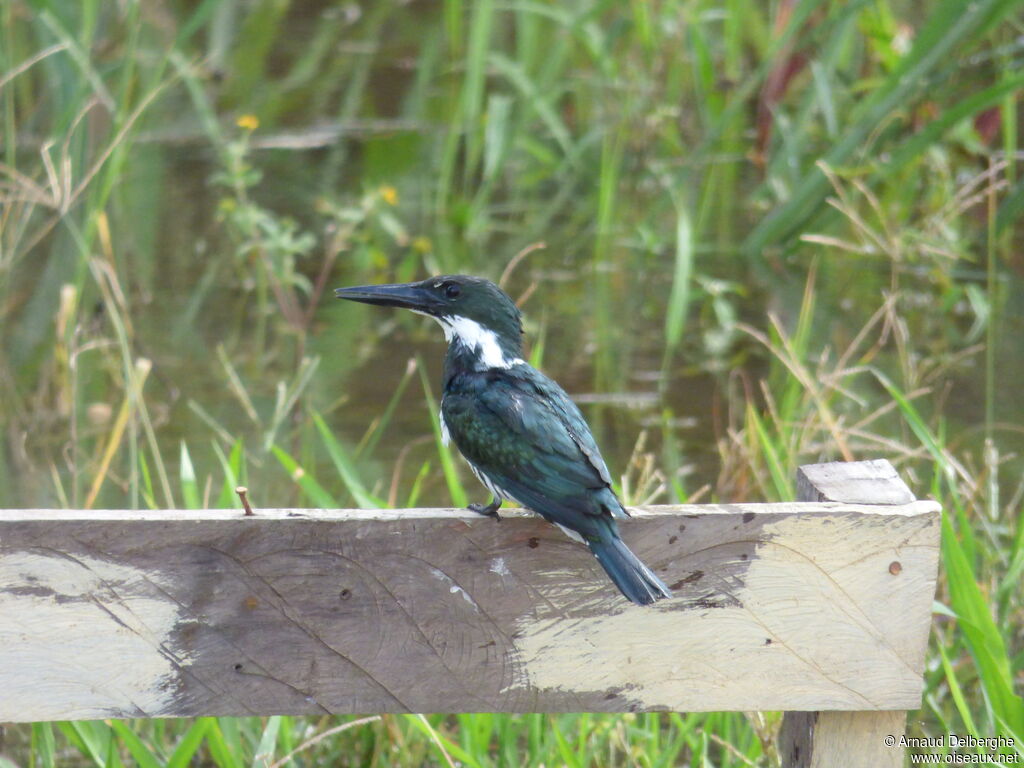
(462, 330)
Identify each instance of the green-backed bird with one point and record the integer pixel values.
(525, 440)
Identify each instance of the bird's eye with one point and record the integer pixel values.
(452, 290)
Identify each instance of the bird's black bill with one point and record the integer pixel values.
(404, 295)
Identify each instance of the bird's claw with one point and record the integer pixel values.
(490, 510)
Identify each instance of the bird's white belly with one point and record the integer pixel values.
(571, 534)
(446, 436)
(500, 493)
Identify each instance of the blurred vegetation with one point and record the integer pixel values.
(765, 234)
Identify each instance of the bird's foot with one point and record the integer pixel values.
(491, 510)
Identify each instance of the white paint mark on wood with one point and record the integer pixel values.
(499, 567)
(453, 587)
(98, 630)
(829, 573)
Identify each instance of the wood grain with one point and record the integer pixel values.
(848, 739)
(841, 739)
(183, 613)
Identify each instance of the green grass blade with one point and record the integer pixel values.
(87, 737)
(537, 100)
(222, 754)
(80, 56)
(474, 82)
(794, 391)
(231, 734)
(346, 469)
(268, 742)
(189, 487)
(372, 437)
(316, 492)
(983, 637)
(44, 746)
(451, 477)
(565, 751)
(417, 485)
(955, 689)
(497, 135)
(950, 117)
(198, 18)
(442, 743)
(1010, 208)
(931, 443)
(142, 755)
(190, 743)
(286, 735)
(949, 23)
(233, 467)
(1009, 585)
(204, 109)
(679, 299)
(780, 477)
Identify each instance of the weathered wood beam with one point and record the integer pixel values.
(179, 613)
(850, 739)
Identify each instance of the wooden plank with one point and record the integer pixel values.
(841, 739)
(848, 739)
(183, 613)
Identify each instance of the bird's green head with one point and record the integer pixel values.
(474, 312)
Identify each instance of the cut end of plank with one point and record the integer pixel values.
(861, 482)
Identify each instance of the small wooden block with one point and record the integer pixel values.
(853, 482)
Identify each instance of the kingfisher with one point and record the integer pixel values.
(518, 430)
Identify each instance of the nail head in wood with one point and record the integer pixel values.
(242, 492)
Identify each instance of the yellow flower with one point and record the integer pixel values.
(389, 195)
(248, 122)
(422, 244)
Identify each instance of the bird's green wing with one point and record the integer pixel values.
(531, 440)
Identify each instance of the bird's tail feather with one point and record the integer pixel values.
(634, 579)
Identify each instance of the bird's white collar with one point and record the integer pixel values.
(462, 330)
